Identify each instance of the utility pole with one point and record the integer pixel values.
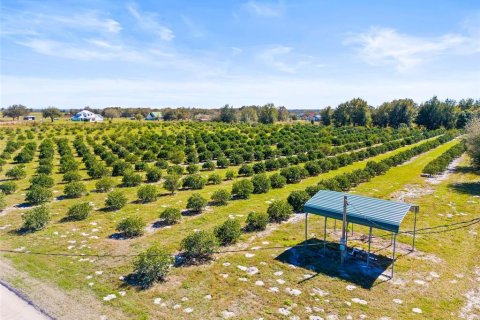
(343, 248)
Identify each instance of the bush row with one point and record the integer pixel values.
(440, 164)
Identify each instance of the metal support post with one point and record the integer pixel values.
(369, 244)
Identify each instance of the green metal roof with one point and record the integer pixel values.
(367, 211)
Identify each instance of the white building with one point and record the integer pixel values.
(87, 116)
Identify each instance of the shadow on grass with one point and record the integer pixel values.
(118, 236)
(472, 188)
(190, 213)
(466, 169)
(160, 224)
(310, 255)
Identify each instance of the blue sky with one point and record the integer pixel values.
(301, 54)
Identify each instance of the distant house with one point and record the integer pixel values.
(203, 117)
(87, 116)
(154, 115)
(29, 118)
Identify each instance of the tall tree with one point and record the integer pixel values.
(429, 114)
(402, 111)
(52, 113)
(283, 114)
(111, 113)
(268, 114)
(228, 114)
(15, 111)
(326, 116)
(248, 114)
(360, 112)
(381, 115)
(341, 115)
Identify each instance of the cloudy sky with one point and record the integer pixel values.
(301, 54)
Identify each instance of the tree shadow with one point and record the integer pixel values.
(466, 169)
(160, 224)
(472, 188)
(190, 213)
(119, 236)
(310, 255)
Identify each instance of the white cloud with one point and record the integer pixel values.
(272, 57)
(265, 9)
(283, 58)
(92, 49)
(385, 46)
(35, 23)
(148, 21)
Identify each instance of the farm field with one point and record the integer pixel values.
(265, 274)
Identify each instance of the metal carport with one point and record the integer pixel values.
(351, 208)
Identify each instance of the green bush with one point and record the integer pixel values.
(119, 168)
(245, 170)
(69, 164)
(191, 169)
(16, 173)
(242, 189)
(229, 232)
(279, 211)
(297, 199)
(79, 211)
(172, 183)
(131, 179)
(171, 215)
(261, 183)
(229, 175)
(199, 246)
(256, 221)
(37, 195)
(131, 226)
(208, 166)
(223, 162)
(74, 189)
(152, 265)
(42, 180)
(71, 176)
(176, 169)
(8, 187)
(194, 181)
(214, 178)
(154, 174)
(45, 169)
(36, 219)
(98, 170)
(147, 193)
(196, 203)
(105, 184)
(277, 181)
(293, 174)
(220, 197)
(116, 200)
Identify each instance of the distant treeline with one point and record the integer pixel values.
(432, 114)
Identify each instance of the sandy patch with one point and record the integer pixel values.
(471, 309)
(411, 192)
(437, 179)
(417, 310)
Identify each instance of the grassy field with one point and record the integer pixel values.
(281, 282)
